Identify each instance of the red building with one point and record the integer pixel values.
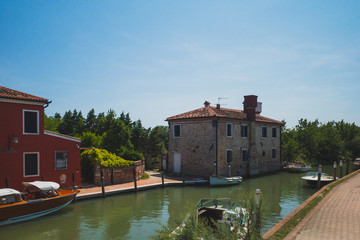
(27, 151)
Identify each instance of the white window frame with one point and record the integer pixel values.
(67, 160)
(174, 126)
(37, 116)
(272, 132)
(272, 150)
(247, 130)
(38, 164)
(229, 150)
(262, 132)
(227, 130)
(242, 154)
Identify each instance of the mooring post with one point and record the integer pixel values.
(258, 205)
(73, 180)
(162, 178)
(334, 175)
(319, 177)
(102, 183)
(134, 174)
(341, 168)
(7, 184)
(347, 166)
(183, 179)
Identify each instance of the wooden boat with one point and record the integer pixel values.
(298, 167)
(312, 178)
(221, 181)
(218, 210)
(38, 198)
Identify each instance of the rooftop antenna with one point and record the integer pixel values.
(220, 98)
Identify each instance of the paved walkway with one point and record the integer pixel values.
(152, 182)
(336, 217)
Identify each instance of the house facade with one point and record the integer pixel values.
(227, 142)
(27, 151)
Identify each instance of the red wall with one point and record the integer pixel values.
(11, 163)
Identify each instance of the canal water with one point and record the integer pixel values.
(138, 215)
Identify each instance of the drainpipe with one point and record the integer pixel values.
(216, 143)
(47, 104)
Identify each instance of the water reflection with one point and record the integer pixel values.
(138, 215)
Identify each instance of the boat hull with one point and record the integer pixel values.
(313, 180)
(223, 181)
(31, 209)
(298, 169)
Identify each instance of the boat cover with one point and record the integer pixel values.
(43, 185)
(8, 191)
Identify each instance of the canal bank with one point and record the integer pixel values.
(138, 215)
(155, 180)
(335, 216)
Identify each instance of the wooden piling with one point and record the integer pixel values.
(162, 179)
(102, 184)
(183, 179)
(134, 174)
(319, 177)
(341, 168)
(334, 175)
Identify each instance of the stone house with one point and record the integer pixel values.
(215, 140)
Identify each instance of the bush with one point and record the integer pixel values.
(104, 158)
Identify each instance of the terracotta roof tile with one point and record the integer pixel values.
(209, 112)
(13, 94)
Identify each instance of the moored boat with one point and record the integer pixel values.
(38, 198)
(221, 180)
(312, 178)
(221, 211)
(298, 167)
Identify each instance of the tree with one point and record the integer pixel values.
(52, 123)
(67, 124)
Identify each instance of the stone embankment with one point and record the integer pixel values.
(336, 216)
(154, 181)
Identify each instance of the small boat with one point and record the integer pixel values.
(357, 162)
(220, 180)
(218, 210)
(298, 167)
(38, 198)
(312, 178)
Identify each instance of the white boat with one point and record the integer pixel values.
(218, 210)
(38, 198)
(312, 178)
(298, 167)
(220, 180)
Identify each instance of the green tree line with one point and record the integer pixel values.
(117, 134)
(317, 143)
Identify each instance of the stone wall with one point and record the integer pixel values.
(119, 175)
(197, 146)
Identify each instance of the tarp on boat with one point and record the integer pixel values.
(8, 191)
(43, 185)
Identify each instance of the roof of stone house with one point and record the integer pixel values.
(210, 112)
(17, 95)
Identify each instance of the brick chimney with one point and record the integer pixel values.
(250, 104)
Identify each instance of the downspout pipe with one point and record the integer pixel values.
(216, 144)
(47, 104)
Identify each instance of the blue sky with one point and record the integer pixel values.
(156, 59)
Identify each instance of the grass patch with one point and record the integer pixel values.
(291, 224)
